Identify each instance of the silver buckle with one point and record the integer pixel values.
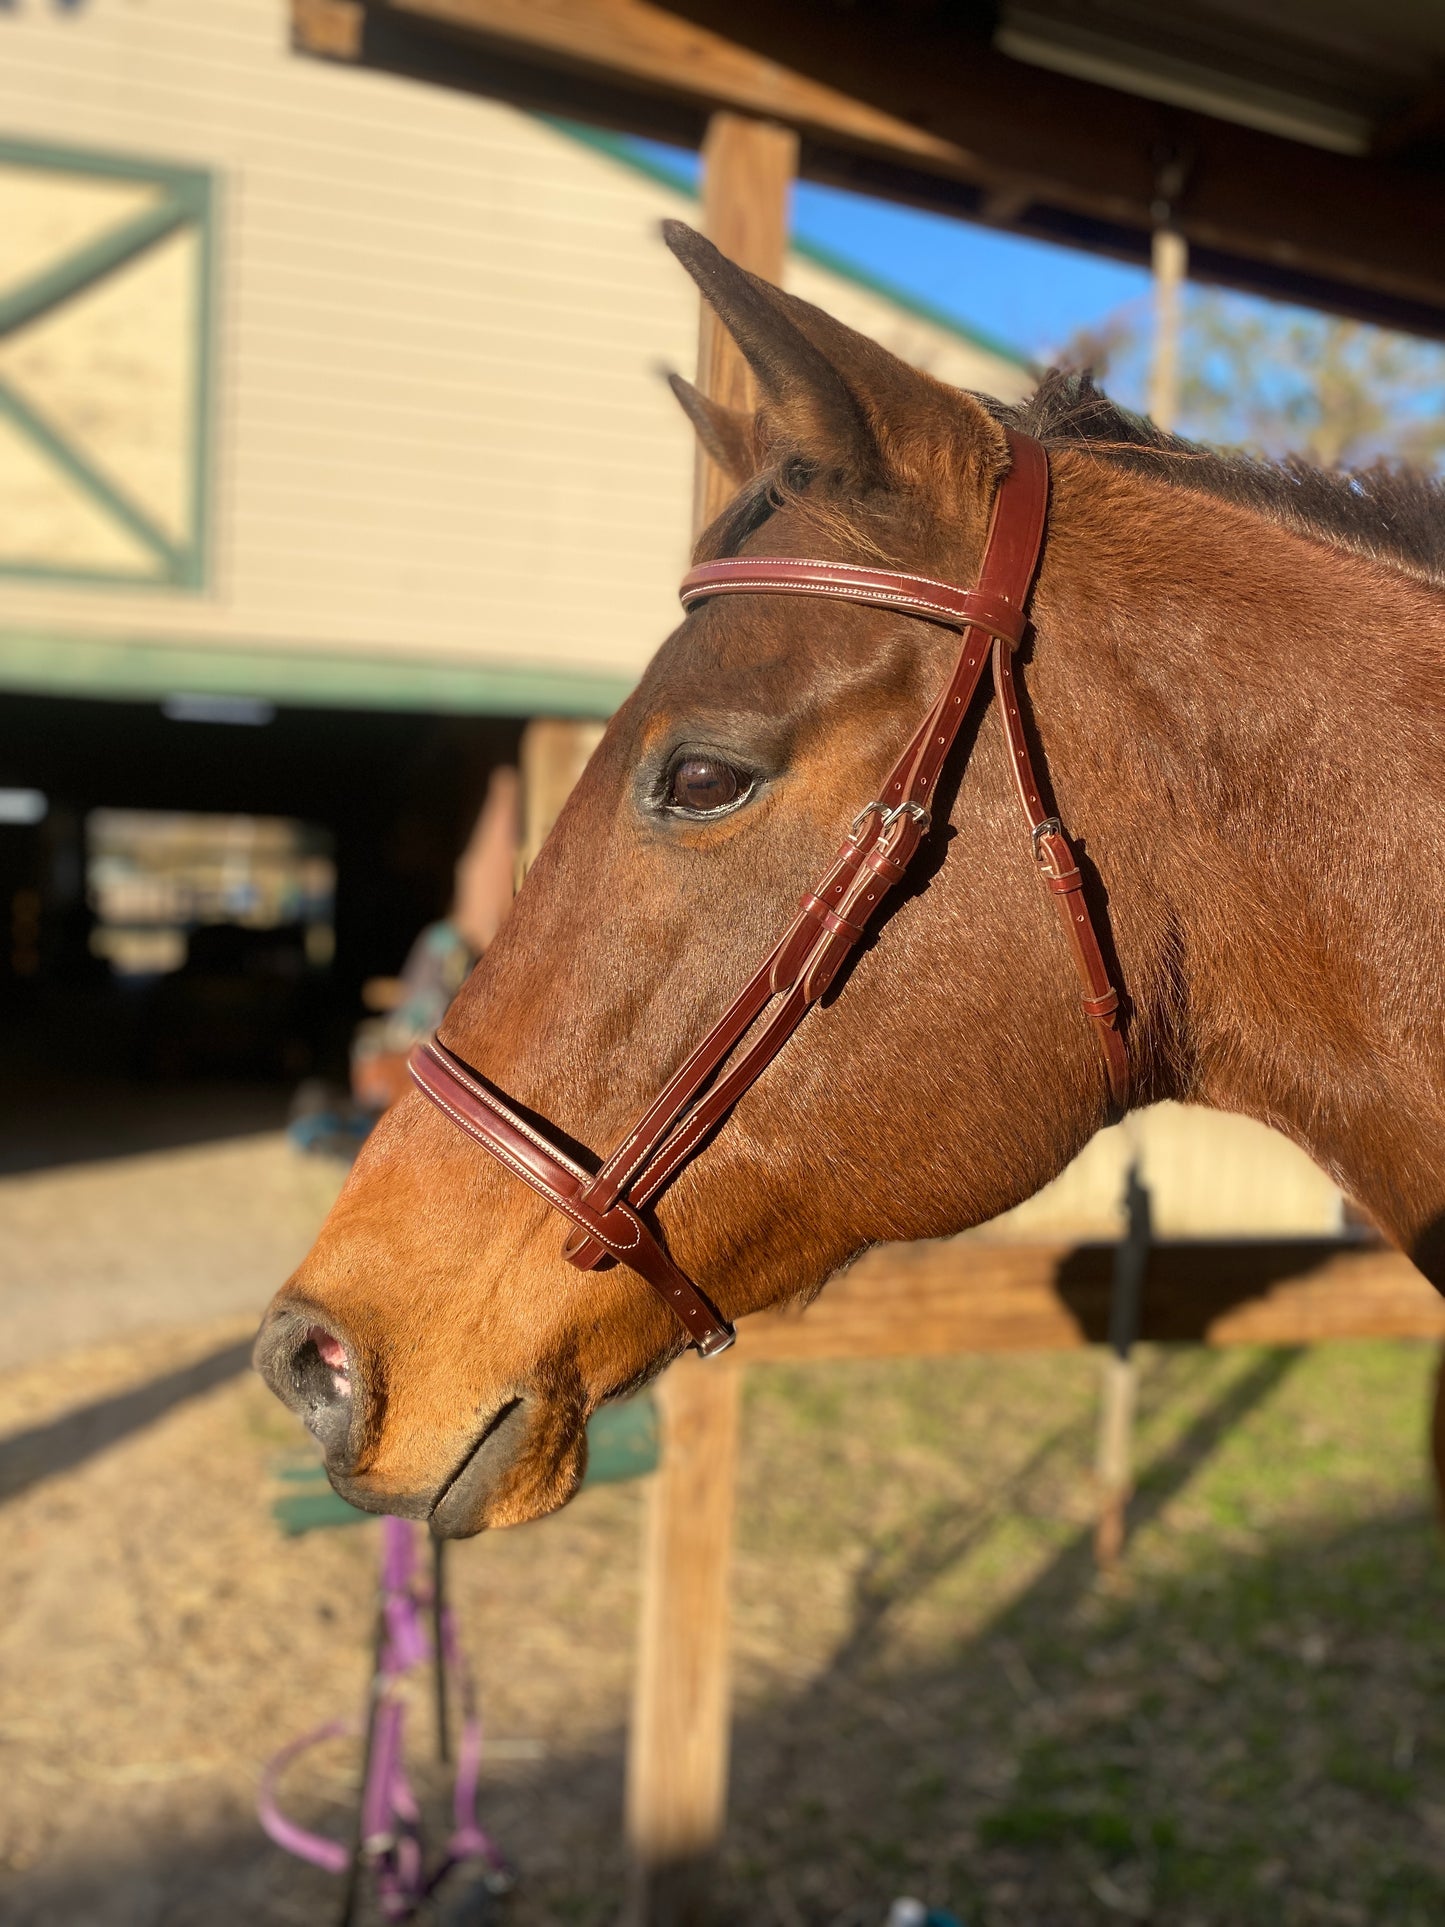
(887, 817)
(717, 1342)
(1051, 826)
(918, 811)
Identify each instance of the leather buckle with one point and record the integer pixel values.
(717, 1342)
(1051, 826)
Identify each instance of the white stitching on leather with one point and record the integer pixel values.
(510, 1117)
(621, 1178)
(529, 1177)
(682, 1292)
(682, 1295)
(919, 605)
(743, 562)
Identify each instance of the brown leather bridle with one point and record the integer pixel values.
(607, 1206)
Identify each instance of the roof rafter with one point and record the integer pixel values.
(928, 112)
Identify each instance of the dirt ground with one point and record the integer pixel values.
(96, 1249)
(935, 1694)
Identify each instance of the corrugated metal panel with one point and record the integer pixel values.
(440, 427)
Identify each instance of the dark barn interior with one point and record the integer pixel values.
(391, 796)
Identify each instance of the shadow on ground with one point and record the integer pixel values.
(1252, 1738)
(45, 1451)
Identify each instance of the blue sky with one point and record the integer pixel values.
(1257, 384)
(1027, 293)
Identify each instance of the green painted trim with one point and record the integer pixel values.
(87, 160)
(617, 147)
(189, 199)
(142, 669)
(83, 578)
(101, 490)
(196, 557)
(98, 258)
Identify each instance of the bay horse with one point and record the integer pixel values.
(1235, 696)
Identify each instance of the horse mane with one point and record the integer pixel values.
(1387, 513)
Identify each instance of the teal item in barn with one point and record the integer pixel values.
(622, 1443)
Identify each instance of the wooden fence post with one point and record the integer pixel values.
(678, 1752)
(554, 754)
(678, 1758)
(1116, 1418)
(1437, 1438)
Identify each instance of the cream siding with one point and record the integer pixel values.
(440, 431)
(1210, 1174)
(440, 436)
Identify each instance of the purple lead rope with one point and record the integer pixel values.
(389, 1839)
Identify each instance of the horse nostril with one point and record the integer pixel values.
(320, 1373)
(311, 1370)
(332, 1354)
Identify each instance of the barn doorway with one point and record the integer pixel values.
(192, 895)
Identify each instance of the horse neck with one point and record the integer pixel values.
(1265, 718)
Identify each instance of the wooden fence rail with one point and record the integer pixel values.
(963, 1295)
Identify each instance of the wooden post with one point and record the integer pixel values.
(1120, 1388)
(678, 1759)
(748, 168)
(1171, 263)
(678, 1751)
(554, 754)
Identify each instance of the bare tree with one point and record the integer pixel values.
(1281, 380)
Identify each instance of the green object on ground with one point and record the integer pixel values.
(302, 1512)
(622, 1443)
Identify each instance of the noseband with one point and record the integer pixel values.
(607, 1206)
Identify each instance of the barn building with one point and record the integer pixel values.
(333, 447)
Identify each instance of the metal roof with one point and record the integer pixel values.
(1332, 73)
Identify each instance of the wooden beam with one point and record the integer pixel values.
(748, 170)
(677, 1758)
(657, 47)
(1095, 149)
(919, 107)
(331, 29)
(971, 1295)
(677, 1763)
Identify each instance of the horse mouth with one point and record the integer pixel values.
(459, 1507)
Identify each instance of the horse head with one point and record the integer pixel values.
(443, 1351)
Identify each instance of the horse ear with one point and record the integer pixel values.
(729, 435)
(806, 402)
(832, 391)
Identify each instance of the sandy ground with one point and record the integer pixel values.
(934, 1693)
(93, 1251)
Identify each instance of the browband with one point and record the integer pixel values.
(606, 1206)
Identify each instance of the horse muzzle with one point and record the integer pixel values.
(316, 1372)
(319, 1373)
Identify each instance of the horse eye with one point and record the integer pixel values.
(703, 783)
